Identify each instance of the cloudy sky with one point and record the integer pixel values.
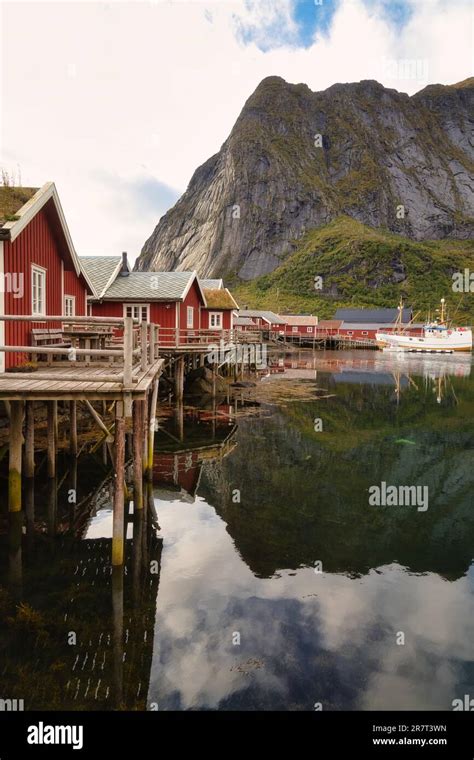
(119, 102)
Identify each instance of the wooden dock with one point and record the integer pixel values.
(125, 370)
(94, 361)
(88, 383)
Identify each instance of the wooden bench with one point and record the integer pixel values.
(48, 336)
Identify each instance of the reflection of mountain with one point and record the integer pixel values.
(304, 494)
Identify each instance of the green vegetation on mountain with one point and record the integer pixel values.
(363, 267)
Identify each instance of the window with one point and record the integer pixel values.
(295, 328)
(350, 332)
(309, 329)
(190, 317)
(69, 306)
(215, 319)
(38, 290)
(365, 332)
(137, 311)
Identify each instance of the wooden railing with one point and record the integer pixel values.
(133, 344)
(173, 337)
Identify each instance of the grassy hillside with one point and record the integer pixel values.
(363, 267)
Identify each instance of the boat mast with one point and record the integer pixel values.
(442, 317)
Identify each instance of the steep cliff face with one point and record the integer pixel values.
(296, 159)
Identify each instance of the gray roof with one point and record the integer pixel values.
(212, 284)
(379, 316)
(270, 316)
(99, 269)
(149, 286)
(243, 321)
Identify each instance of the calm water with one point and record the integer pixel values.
(262, 578)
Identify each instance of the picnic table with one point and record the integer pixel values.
(82, 338)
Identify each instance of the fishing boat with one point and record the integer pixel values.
(437, 337)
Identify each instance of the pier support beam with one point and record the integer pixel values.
(52, 439)
(118, 519)
(14, 468)
(179, 379)
(144, 438)
(138, 434)
(152, 428)
(30, 440)
(73, 429)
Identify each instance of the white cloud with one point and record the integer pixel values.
(143, 90)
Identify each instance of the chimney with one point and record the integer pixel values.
(124, 270)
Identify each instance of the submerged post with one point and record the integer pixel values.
(29, 440)
(14, 468)
(179, 378)
(51, 432)
(152, 428)
(138, 433)
(118, 518)
(73, 429)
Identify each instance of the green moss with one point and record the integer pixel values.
(357, 264)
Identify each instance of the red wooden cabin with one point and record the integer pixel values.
(40, 273)
(304, 325)
(218, 312)
(172, 300)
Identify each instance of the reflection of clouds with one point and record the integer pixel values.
(324, 637)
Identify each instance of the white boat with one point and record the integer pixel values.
(438, 337)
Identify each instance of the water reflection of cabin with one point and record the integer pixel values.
(179, 468)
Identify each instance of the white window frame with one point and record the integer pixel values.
(137, 309)
(215, 316)
(294, 328)
(41, 272)
(365, 332)
(72, 301)
(190, 317)
(309, 329)
(350, 332)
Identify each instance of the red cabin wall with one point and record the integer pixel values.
(74, 286)
(36, 244)
(194, 299)
(301, 329)
(161, 313)
(108, 309)
(164, 315)
(226, 318)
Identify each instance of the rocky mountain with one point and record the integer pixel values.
(297, 159)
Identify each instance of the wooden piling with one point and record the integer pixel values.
(213, 381)
(118, 643)
(179, 379)
(51, 432)
(55, 422)
(29, 440)
(138, 433)
(152, 428)
(14, 471)
(73, 429)
(118, 518)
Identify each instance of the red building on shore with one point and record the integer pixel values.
(173, 300)
(40, 272)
